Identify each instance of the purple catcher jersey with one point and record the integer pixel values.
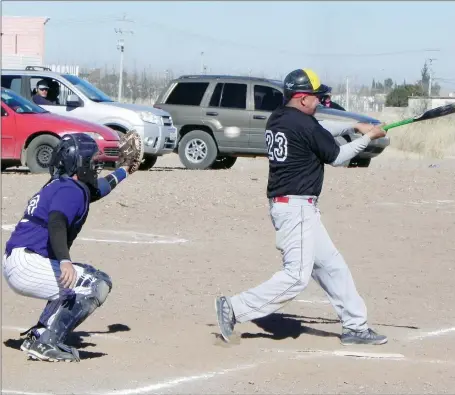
(63, 194)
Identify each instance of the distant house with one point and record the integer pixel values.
(23, 41)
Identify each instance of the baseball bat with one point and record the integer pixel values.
(430, 114)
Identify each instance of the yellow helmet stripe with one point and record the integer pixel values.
(313, 77)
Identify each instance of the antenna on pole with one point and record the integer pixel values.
(121, 47)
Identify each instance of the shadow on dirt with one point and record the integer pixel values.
(282, 326)
(76, 339)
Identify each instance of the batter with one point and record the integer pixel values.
(298, 148)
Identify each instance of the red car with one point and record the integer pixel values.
(30, 133)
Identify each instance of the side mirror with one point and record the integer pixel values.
(73, 101)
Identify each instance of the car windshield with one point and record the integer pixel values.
(19, 104)
(88, 89)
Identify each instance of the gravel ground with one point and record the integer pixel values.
(173, 239)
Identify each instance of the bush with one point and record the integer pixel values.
(399, 96)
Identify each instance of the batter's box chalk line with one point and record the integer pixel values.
(436, 333)
(166, 384)
(119, 236)
(13, 392)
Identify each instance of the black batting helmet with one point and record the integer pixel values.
(303, 81)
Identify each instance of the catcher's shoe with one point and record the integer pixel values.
(369, 336)
(32, 335)
(52, 352)
(225, 316)
(131, 151)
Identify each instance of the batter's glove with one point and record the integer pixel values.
(131, 151)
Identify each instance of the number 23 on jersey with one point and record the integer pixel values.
(277, 145)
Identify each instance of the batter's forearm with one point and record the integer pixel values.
(350, 150)
(108, 183)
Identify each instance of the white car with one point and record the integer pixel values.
(77, 98)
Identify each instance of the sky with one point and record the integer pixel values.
(355, 40)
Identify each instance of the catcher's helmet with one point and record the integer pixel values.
(76, 153)
(303, 81)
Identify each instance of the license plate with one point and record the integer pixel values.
(173, 135)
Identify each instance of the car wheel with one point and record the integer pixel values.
(197, 150)
(358, 162)
(148, 162)
(224, 162)
(39, 153)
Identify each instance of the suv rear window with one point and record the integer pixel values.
(266, 98)
(188, 93)
(232, 95)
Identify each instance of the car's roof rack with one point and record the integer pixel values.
(34, 68)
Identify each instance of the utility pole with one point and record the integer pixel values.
(121, 48)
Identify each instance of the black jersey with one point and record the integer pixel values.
(298, 147)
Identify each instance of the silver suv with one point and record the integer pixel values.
(77, 98)
(202, 105)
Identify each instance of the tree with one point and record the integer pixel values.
(388, 85)
(435, 89)
(398, 97)
(425, 80)
(133, 84)
(379, 88)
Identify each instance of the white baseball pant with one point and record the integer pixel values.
(307, 250)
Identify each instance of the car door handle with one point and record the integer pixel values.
(211, 113)
(259, 117)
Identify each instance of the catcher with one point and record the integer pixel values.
(37, 260)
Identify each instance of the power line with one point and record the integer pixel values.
(218, 40)
(187, 33)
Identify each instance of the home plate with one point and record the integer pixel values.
(368, 355)
(341, 353)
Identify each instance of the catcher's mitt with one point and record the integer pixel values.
(131, 151)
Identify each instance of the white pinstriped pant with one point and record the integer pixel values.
(34, 276)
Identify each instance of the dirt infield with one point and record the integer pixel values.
(173, 239)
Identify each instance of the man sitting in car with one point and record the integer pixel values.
(40, 97)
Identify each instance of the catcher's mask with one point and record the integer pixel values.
(77, 154)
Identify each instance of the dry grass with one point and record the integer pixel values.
(432, 139)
